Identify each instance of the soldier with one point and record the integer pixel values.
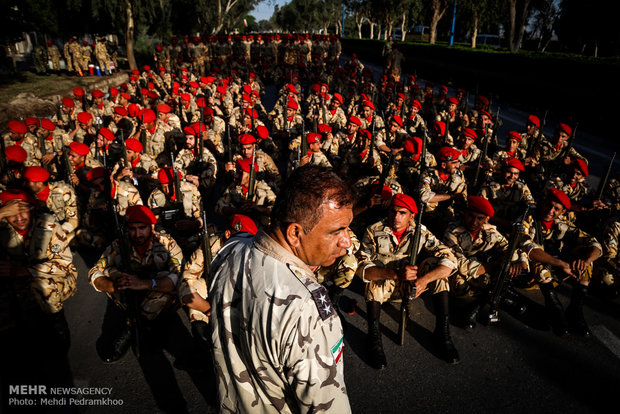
(87, 51)
(37, 273)
(370, 120)
(470, 153)
(479, 249)
(58, 198)
(561, 246)
(15, 158)
(53, 54)
(200, 169)
(507, 194)
(290, 300)
(76, 57)
(410, 163)
(66, 51)
(512, 150)
(237, 200)
(547, 153)
(18, 136)
(39, 60)
(608, 267)
(151, 133)
(532, 134)
(383, 258)
(314, 156)
(267, 169)
(83, 131)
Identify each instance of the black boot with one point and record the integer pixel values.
(375, 345)
(511, 301)
(441, 335)
(574, 312)
(60, 336)
(554, 309)
(472, 315)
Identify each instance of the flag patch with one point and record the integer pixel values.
(337, 350)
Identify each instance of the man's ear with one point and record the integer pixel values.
(293, 234)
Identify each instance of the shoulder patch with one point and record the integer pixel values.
(323, 303)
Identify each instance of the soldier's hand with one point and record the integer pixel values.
(13, 208)
(229, 166)
(304, 160)
(126, 172)
(248, 206)
(566, 268)
(127, 281)
(74, 179)
(197, 302)
(599, 205)
(193, 179)
(578, 266)
(516, 268)
(407, 272)
(47, 158)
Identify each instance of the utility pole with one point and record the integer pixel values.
(453, 24)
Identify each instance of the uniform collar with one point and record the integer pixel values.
(266, 244)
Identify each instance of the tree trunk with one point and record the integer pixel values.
(378, 31)
(129, 34)
(402, 27)
(438, 9)
(372, 30)
(517, 23)
(474, 33)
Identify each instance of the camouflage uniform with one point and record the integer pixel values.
(609, 264)
(191, 200)
(434, 184)
(471, 252)
(186, 159)
(288, 311)
(30, 145)
(236, 196)
(508, 202)
(557, 240)
(66, 51)
(380, 247)
(62, 203)
(44, 250)
(39, 60)
(53, 54)
(341, 273)
(155, 141)
(162, 258)
(267, 169)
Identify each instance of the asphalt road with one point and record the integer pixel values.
(516, 366)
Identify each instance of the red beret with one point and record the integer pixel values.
(247, 89)
(147, 68)
(263, 132)
(164, 108)
(199, 127)
(251, 112)
(47, 124)
(95, 173)
(468, 132)
(79, 148)
(18, 127)
(483, 100)
(398, 120)
(338, 97)
(480, 205)
(581, 164)
(355, 120)
(448, 154)
(134, 145)
(291, 88)
(413, 145)
(483, 112)
(323, 128)
(292, 104)
(368, 104)
(36, 174)
(78, 91)
(126, 95)
(313, 137)
(152, 94)
(364, 133)
(120, 110)
(208, 111)
(240, 222)
(16, 194)
(515, 135)
(185, 96)
(193, 84)
(107, 134)
(98, 94)
(133, 110)
(443, 88)
(565, 128)
(84, 117)
(439, 127)
(244, 164)
(140, 214)
(401, 95)
(148, 115)
(559, 196)
(31, 121)
(246, 98)
(453, 100)
(68, 102)
(165, 175)
(188, 130)
(246, 139)
(403, 200)
(512, 162)
(417, 104)
(113, 91)
(15, 153)
(533, 119)
(316, 87)
(220, 89)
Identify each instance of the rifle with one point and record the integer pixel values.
(142, 132)
(303, 145)
(503, 277)
(177, 183)
(485, 150)
(568, 147)
(414, 246)
(4, 165)
(59, 117)
(530, 145)
(252, 183)
(206, 244)
(68, 167)
(603, 182)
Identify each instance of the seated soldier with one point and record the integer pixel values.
(12, 175)
(561, 246)
(383, 258)
(479, 249)
(37, 275)
(267, 169)
(237, 200)
(360, 159)
(410, 163)
(608, 267)
(198, 168)
(507, 193)
(512, 150)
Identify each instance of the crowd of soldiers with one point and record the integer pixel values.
(81, 59)
(156, 174)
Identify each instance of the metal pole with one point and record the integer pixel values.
(453, 24)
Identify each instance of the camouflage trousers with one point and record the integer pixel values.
(392, 290)
(341, 273)
(52, 291)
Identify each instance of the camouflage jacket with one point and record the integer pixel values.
(30, 145)
(61, 201)
(236, 196)
(278, 348)
(380, 247)
(561, 235)
(507, 202)
(186, 158)
(609, 240)
(45, 251)
(546, 153)
(161, 259)
(191, 200)
(577, 194)
(434, 184)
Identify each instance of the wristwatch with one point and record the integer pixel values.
(154, 285)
